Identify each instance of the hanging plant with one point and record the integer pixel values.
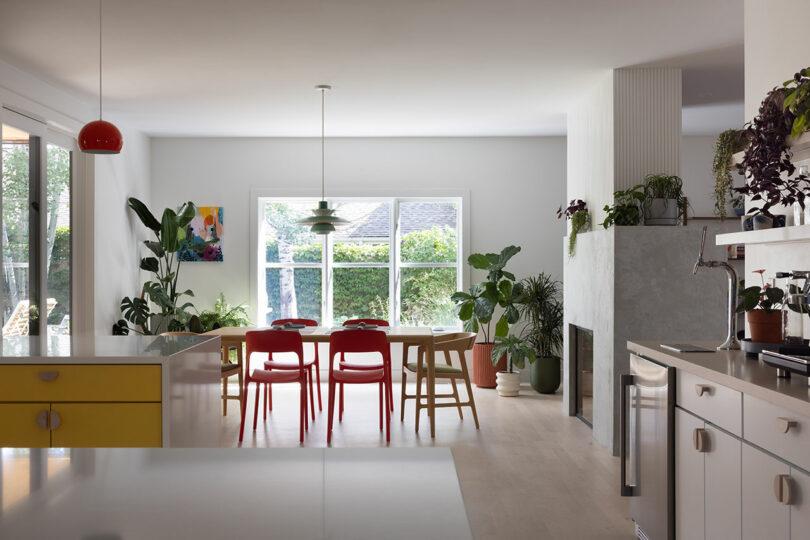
(771, 176)
(797, 101)
(577, 213)
(728, 143)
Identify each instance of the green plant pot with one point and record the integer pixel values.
(545, 374)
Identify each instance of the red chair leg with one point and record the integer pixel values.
(381, 405)
(387, 416)
(256, 407)
(340, 405)
(302, 411)
(311, 394)
(244, 410)
(270, 398)
(331, 398)
(264, 408)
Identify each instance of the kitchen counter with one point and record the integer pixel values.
(734, 370)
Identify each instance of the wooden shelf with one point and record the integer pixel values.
(800, 148)
(780, 235)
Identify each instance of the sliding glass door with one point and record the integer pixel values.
(35, 228)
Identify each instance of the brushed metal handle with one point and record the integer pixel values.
(785, 424)
(700, 438)
(47, 376)
(56, 420)
(42, 420)
(701, 389)
(782, 489)
(626, 380)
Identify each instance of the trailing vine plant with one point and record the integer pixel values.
(577, 213)
(728, 143)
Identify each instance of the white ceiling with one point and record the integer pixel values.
(398, 67)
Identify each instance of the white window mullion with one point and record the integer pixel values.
(394, 272)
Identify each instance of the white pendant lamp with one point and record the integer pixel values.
(323, 220)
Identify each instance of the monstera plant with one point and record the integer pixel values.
(495, 298)
(170, 242)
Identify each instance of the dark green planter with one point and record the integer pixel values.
(545, 374)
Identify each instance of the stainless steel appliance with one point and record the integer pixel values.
(647, 425)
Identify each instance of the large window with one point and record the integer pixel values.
(398, 260)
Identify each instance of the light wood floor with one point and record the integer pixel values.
(529, 472)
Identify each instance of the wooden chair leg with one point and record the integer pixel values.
(418, 396)
(402, 396)
(470, 396)
(318, 377)
(225, 396)
(458, 400)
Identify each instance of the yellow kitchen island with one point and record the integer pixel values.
(139, 391)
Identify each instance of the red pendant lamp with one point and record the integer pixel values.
(100, 136)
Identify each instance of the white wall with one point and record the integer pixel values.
(697, 155)
(776, 45)
(515, 186)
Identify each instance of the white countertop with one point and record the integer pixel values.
(746, 374)
(66, 349)
(306, 493)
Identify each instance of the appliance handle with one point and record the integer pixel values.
(626, 380)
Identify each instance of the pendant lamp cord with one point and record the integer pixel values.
(323, 153)
(99, 59)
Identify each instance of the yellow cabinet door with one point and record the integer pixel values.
(79, 425)
(24, 425)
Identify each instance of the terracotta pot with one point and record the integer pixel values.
(765, 327)
(483, 370)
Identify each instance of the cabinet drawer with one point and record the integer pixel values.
(19, 427)
(718, 404)
(765, 424)
(79, 382)
(107, 425)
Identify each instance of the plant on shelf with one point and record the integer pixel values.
(797, 101)
(728, 143)
(224, 315)
(738, 204)
(770, 174)
(577, 213)
(763, 310)
(169, 244)
(626, 208)
(477, 308)
(663, 199)
(517, 350)
(541, 308)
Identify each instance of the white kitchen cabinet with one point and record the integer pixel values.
(800, 505)
(689, 486)
(763, 515)
(723, 485)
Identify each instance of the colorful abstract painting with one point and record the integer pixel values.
(205, 227)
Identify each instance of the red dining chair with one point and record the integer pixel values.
(362, 367)
(275, 341)
(360, 341)
(309, 364)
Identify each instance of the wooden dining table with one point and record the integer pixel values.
(234, 337)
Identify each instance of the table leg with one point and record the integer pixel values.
(431, 384)
(225, 351)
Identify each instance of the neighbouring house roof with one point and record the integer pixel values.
(373, 220)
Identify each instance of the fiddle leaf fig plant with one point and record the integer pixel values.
(477, 307)
(518, 351)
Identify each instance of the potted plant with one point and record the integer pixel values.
(738, 205)
(797, 101)
(626, 208)
(541, 309)
(663, 199)
(477, 309)
(224, 315)
(577, 214)
(518, 351)
(770, 174)
(728, 143)
(763, 310)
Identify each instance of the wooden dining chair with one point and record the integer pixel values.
(362, 367)
(311, 364)
(228, 370)
(458, 342)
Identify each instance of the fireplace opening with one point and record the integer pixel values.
(583, 370)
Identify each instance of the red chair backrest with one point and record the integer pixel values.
(305, 322)
(275, 341)
(359, 341)
(378, 322)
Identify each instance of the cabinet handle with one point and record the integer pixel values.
(42, 420)
(700, 440)
(781, 489)
(47, 376)
(56, 420)
(785, 424)
(701, 389)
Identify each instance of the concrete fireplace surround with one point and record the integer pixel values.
(637, 283)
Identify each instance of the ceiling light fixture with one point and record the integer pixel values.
(323, 220)
(99, 136)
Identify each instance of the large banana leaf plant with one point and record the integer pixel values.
(478, 307)
(171, 240)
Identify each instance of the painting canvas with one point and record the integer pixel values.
(205, 227)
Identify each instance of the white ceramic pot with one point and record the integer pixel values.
(508, 383)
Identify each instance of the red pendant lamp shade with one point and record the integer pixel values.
(100, 137)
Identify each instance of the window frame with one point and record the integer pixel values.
(327, 264)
